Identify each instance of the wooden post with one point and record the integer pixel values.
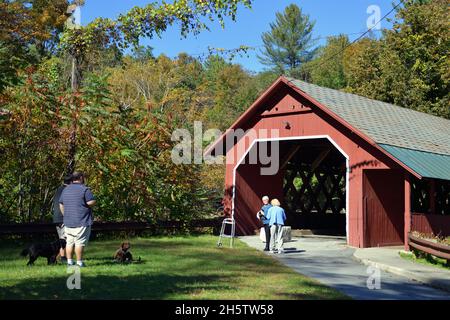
(407, 200)
(73, 22)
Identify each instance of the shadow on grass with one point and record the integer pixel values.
(108, 261)
(170, 269)
(136, 287)
(160, 286)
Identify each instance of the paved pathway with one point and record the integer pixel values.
(331, 262)
(388, 259)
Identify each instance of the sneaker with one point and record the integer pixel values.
(70, 263)
(81, 265)
(63, 260)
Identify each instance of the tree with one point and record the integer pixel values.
(289, 42)
(409, 66)
(33, 22)
(328, 68)
(147, 21)
(229, 88)
(32, 151)
(29, 32)
(362, 67)
(142, 53)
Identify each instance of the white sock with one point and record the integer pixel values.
(79, 262)
(69, 261)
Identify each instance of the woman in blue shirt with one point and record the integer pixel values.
(277, 218)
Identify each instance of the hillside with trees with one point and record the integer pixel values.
(115, 123)
(408, 65)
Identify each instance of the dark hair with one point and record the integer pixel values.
(68, 179)
(76, 176)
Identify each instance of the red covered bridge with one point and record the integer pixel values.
(346, 165)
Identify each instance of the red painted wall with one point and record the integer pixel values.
(250, 188)
(383, 207)
(293, 108)
(431, 224)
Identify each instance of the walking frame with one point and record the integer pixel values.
(231, 222)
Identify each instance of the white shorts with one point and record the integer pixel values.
(77, 236)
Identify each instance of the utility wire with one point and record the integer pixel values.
(260, 46)
(362, 35)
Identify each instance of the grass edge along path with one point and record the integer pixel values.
(180, 267)
(428, 260)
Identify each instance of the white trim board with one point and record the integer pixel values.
(347, 174)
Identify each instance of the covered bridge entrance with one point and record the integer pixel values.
(310, 181)
(339, 163)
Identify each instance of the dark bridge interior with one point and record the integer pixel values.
(314, 186)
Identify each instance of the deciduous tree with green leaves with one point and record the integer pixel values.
(327, 69)
(122, 122)
(407, 66)
(127, 29)
(29, 33)
(410, 64)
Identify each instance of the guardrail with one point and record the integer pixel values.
(430, 247)
(42, 228)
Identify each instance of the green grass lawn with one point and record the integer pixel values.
(428, 260)
(182, 267)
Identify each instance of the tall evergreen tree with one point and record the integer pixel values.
(289, 42)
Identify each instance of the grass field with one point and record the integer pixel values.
(189, 267)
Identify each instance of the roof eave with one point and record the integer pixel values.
(283, 79)
(245, 114)
(350, 127)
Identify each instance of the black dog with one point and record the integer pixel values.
(47, 250)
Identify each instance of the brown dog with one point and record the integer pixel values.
(122, 254)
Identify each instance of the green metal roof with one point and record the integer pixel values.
(419, 140)
(429, 165)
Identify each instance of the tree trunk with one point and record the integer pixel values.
(73, 134)
(30, 198)
(20, 200)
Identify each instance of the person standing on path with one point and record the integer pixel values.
(277, 218)
(262, 217)
(76, 204)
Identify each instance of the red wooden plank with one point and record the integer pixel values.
(431, 224)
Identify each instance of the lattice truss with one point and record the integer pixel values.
(310, 190)
(420, 196)
(422, 192)
(443, 197)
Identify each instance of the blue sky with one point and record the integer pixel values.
(332, 17)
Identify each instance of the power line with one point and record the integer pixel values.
(362, 35)
(260, 46)
(384, 17)
(325, 37)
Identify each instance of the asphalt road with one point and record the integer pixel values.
(331, 262)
